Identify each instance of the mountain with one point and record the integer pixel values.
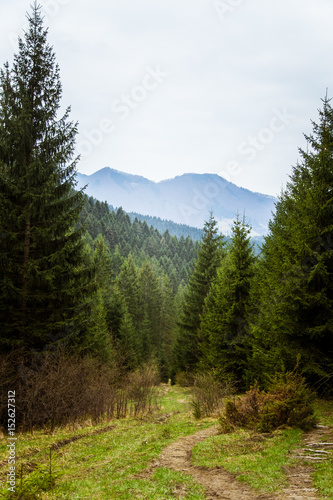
(185, 199)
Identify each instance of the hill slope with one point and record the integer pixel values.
(186, 199)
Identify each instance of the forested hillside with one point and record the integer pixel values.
(109, 297)
(169, 254)
(174, 229)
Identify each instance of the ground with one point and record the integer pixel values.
(156, 457)
(219, 483)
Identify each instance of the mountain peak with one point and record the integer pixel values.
(185, 199)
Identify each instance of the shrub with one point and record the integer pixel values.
(141, 389)
(59, 388)
(208, 394)
(288, 402)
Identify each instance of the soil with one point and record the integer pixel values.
(219, 483)
(315, 446)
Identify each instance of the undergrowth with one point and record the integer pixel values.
(288, 402)
(208, 394)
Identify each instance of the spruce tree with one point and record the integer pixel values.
(127, 283)
(167, 324)
(296, 313)
(224, 327)
(43, 282)
(150, 303)
(186, 348)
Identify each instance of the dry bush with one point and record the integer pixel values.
(9, 365)
(141, 389)
(288, 402)
(57, 388)
(63, 389)
(208, 394)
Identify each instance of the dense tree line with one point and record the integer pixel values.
(174, 228)
(174, 256)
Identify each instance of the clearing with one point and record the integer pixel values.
(170, 455)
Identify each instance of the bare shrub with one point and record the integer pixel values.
(208, 394)
(58, 388)
(64, 389)
(141, 389)
(121, 403)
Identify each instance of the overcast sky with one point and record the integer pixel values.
(207, 86)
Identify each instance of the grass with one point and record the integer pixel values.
(254, 458)
(106, 465)
(115, 463)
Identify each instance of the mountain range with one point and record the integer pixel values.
(186, 199)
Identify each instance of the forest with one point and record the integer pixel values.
(87, 287)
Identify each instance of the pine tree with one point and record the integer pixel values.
(98, 339)
(296, 314)
(167, 326)
(150, 302)
(43, 282)
(186, 349)
(224, 327)
(128, 348)
(128, 285)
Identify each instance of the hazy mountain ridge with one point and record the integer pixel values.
(186, 199)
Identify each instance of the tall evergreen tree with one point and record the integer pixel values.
(186, 349)
(127, 283)
(167, 326)
(43, 282)
(224, 328)
(296, 313)
(150, 302)
(98, 339)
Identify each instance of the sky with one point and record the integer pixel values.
(159, 89)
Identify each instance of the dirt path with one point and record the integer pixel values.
(217, 482)
(316, 446)
(220, 483)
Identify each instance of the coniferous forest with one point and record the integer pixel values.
(87, 286)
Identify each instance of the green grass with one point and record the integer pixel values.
(255, 459)
(164, 484)
(105, 466)
(324, 411)
(116, 463)
(323, 478)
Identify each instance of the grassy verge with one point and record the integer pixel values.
(254, 458)
(107, 465)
